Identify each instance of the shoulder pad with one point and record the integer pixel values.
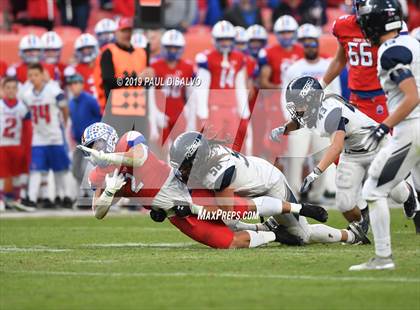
(395, 55)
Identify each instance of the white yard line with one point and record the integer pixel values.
(8, 249)
(139, 245)
(218, 275)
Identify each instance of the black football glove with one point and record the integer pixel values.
(158, 215)
(182, 209)
(375, 137)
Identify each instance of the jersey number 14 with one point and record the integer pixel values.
(359, 54)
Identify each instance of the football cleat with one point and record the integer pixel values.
(19, 206)
(416, 221)
(365, 219)
(313, 211)
(375, 263)
(410, 205)
(359, 234)
(282, 235)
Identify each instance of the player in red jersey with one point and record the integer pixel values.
(51, 53)
(15, 140)
(134, 171)
(273, 62)
(86, 51)
(30, 51)
(171, 92)
(354, 50)
(222, 104)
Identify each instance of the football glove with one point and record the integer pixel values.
(307, 183)
(97, 158)
(276, 133)
(114, 182)
(371, 141)
(182, 209)
(158, 215)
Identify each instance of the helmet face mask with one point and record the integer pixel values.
(30, 49)
(172, 43)
(172, 53)
(225, 45)
(286, 38)
(51, 56)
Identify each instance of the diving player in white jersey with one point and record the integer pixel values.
(208, 163)
(305, 141)
(49, 114)
(399, 74)
(333, 117)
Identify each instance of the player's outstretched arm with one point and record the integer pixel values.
(408, 103)
(336, 66)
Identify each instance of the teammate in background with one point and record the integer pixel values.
(15, 142)
(139, 40)
(105, 31)
(86, 51)
(49, 116)
(415, 33)
(132, 172)
(241, 39)
(333, 117)
(257, 39)
(399, 74)
(30, 52)
(222, 102)
(171, 97)
(51, 53)
(209, 164)
(305, 141)
(273, 62)
(361, 57)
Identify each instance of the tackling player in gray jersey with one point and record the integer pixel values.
(399, 74)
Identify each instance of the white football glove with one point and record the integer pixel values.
(277, 133)
(307, 183)
(98, 158)
(114, 182)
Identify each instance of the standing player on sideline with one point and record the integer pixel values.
(132, 172)
(105, 31)
(222, 102)
(171, 96)
(303, 141)
(15, 141)
(331, 116)
(399, 73)
(51, 53)
(273, 62)
(49, 116)
(210, 164)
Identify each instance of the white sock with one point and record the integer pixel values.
(34, 184)
(380, 222)
(60, 183)
(295, 207)
(43, 189)
(400, 193)
(24, 179)
(350, 236)
(321, 233)
(268, 206)
(260, 238)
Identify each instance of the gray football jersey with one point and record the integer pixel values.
(398, 57)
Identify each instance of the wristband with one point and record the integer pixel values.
(317, 171)
(196, 209)
(323, 84)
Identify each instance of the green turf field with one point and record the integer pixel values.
(134, 263)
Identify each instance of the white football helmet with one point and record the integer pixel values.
(283, 27)
(257, 39)
(52, 44)
(172, 45)
(223, 30)
(30, 49)
(105, 31)
(308, 31)
(241, 35)
(100, 133)
(138, 40)
(416, 33)
(86, 48)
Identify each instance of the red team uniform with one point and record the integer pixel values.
(3, 68)
(279, 59)
(366, 91)
(171, 98)
(15, 138)
(223, 102)
(151, 182)
(86, 71)
(56, 72)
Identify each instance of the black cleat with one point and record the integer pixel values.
(282, 235)
(365, 220)
(360, 236)
(47, 204)
(28, 203)
(67, 203)
(416, 221)
(316, 212)
(410, 204)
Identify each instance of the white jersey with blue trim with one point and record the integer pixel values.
(335, 114)
(46, 114)
(398, 59)
(248, 175)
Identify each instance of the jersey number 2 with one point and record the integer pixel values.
(359, 55)
(9, 129)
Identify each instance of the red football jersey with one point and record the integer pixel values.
(3, 68)
(361, 56)
(86, 71)
(20, 72)
(223, 75)
(279, 59)
(56, 71)
(143, 182)
(251, 66)
(174, 92)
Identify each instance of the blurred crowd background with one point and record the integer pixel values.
(69, 53)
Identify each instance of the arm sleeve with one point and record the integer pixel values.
(242, 93)
(108, 72)
(201, 93)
